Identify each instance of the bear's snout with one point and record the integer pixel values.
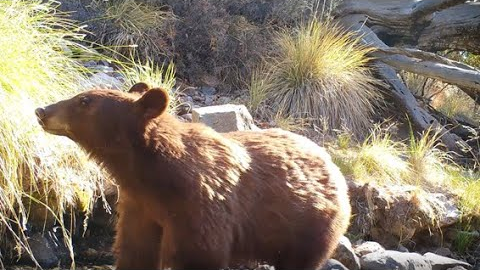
(40, 113)
(52, 120)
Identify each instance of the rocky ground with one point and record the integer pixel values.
(392, 227)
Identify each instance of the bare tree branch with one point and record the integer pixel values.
(445, 73)
(419, 54)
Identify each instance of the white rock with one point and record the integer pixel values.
(224, 118)
(443, 263)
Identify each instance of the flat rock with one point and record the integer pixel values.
(394, 260)
(443, 263)
(346, 255)
(224, 118)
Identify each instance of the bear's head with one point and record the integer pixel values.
(96, 118)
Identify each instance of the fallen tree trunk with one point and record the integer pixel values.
(430, 25)
(445, 73)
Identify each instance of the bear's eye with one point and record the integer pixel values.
(84, 101)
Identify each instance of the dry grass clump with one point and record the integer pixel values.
(381, 159)
(36, 168)
(133, 26)
(427, 161)
(318, 72)
(286, 12)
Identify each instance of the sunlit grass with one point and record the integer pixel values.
(427, 161)
(467, 186)
(445, 98)
(380, 159)
(287, 122)
(318, 72)
(37, 168)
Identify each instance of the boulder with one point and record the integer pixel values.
(224, 118)
(47, 248)
(443, 251)
(443, 263)
(397, 214)
(208, 90)
(346, 255)
(394, 260)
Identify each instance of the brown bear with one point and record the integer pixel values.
(192, 198)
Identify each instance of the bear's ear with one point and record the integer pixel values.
(139, 88)
(153, 103)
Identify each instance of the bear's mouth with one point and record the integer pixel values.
(51, 130)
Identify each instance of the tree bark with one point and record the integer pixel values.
(445, 73)
(431, 25)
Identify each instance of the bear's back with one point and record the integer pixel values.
(291, 182)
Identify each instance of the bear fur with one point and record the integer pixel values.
(192, 198)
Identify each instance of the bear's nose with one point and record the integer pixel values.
(40, 113)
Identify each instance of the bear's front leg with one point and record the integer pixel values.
(138, 239)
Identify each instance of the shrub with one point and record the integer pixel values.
(317, 72)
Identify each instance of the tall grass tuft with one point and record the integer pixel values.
(380, 159)
(38, 170)
(318, 72)
(427, 161)
(258, 87)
